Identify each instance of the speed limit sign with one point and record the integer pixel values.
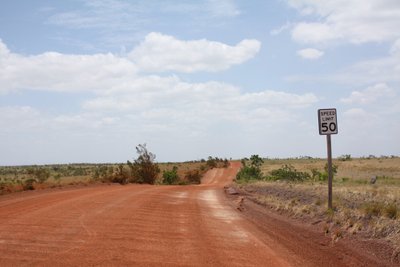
(327, 121)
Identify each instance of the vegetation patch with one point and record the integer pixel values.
(366, 195)
(250, 171)
(143, 169)
(288, 173)
(171, 176)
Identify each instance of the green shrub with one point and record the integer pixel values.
(171, 176)
(143, 169)
(346, 157)
(288, 173)
(121, 176)
(249, 173)
(211, 162)
(41, 175)
(252, 172)
(316, 175)
(256, 161)
(29, 184)
(193, 176)
(334, 168)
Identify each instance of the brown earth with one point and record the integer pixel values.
(142, 225)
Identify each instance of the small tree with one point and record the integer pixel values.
(41, 175)
(171, 177)
(211, 162)
(250, 172)
(256, 161)
(143, 169)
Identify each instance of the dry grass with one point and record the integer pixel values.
(13, 179)
(183, 167)
(356, 169)
(369, 210)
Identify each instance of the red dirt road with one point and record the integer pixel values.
(136, 225)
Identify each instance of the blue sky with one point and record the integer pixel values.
(87, 81)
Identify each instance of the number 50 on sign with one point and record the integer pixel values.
(327, 121)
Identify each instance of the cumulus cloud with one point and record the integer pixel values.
(176, 101)
(53, 71)
(310, 53)
(3, 49)
(369, 95)
(196, 116)
(126, 104)
(159, 52)
(353, 20)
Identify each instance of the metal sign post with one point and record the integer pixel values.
(327, 121)
(330, 174)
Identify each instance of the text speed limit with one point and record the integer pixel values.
(327, 121)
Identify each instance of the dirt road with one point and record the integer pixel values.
(139, 225)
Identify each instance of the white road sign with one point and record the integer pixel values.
(327, 121)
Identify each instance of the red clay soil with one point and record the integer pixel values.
(143, 225)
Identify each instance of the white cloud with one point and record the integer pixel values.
(194, 118)
(3, 49)
(125, 104)
(358, 123)
(310, 53)
(175, 101)
(314, 33)
(385, 69)
(83, 121)
(356, 113)
(53, 71)
(13, 119)
(369, 95)
(395, 49)
(222, 8)
(355, 21)
(281, 29)
(159, 52)
(104, 14)
(366, 72)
